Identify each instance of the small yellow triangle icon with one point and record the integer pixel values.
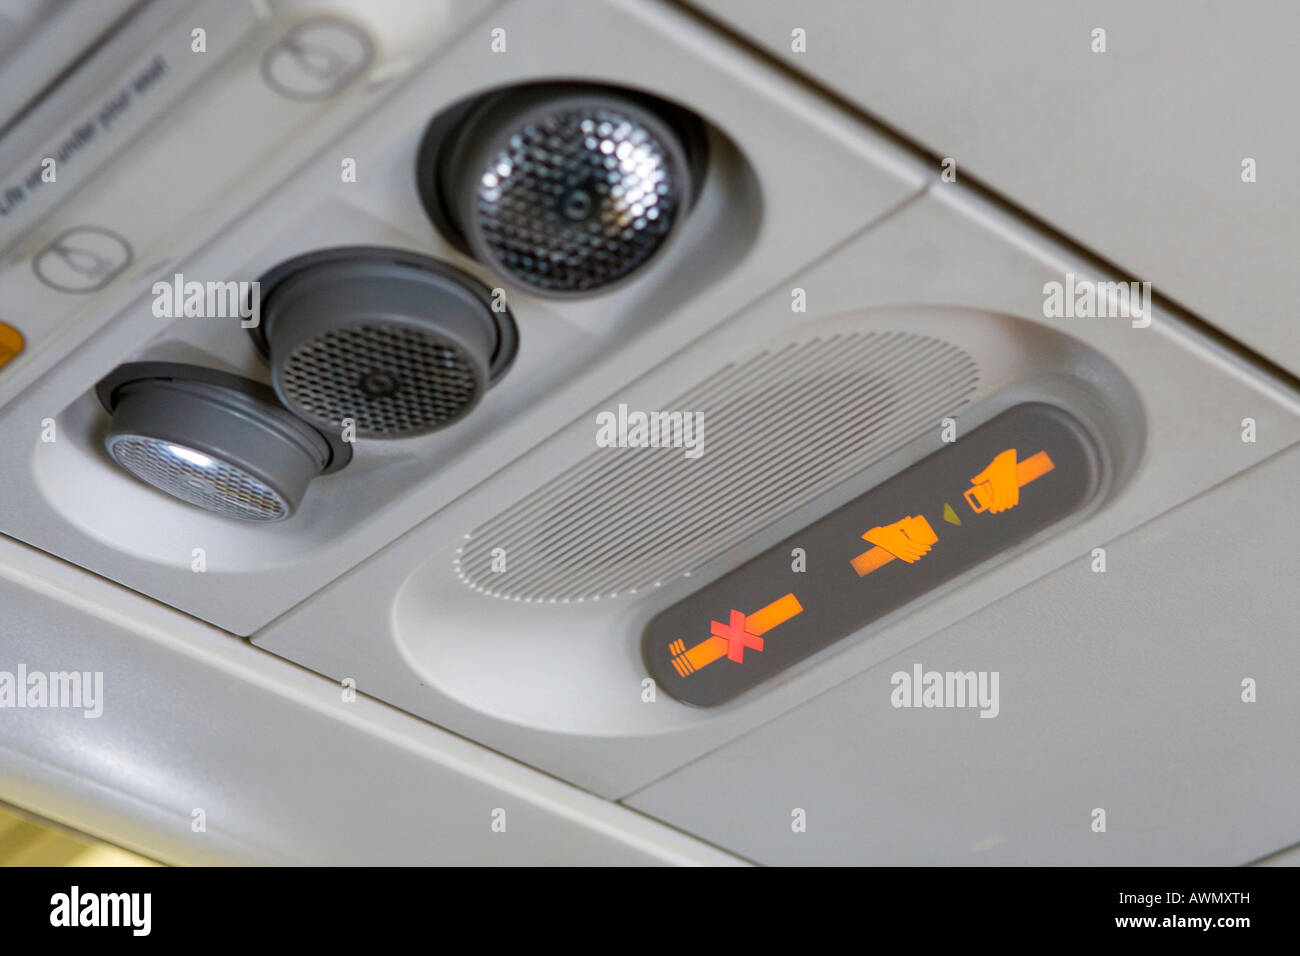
(949, 515)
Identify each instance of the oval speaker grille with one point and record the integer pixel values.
(391, 379)
(780, 429)
(198, 479)
(578, 199)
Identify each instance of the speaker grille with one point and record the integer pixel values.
(199, 479)
(391, 379)
(780, 429)
(577, 199)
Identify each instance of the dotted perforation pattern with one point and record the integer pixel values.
(780, 428)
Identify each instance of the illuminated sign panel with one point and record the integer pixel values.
(991, 489)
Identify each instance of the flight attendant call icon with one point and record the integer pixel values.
(316, 59)
(82, 259)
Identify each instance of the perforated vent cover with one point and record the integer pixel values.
(198, 479)
(577, 199)
(779, 429)
(391, 379)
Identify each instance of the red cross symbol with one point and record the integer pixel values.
(736, 636)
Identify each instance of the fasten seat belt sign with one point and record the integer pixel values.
(950, 512)
(912, 537)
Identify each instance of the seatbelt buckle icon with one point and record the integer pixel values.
(979, 496)
(909, 539)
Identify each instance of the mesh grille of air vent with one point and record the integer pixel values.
(430, 381)
(779, 429)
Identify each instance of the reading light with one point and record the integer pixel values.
(190, 455)
(567, 189)
(214, 440)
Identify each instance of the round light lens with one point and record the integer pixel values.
(199, 479)
(577, 198)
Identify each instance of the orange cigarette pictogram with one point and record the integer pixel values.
(687, 662)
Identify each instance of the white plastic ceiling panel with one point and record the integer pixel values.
(1120, 691)
(284, 767)
(1136, 152)
(560, 684)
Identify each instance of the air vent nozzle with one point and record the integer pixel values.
(395, 342)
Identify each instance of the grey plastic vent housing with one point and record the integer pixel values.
(213, 439)
(397, 342)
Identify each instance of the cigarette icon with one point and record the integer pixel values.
(730, 639)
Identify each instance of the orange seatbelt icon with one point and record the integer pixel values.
(909, 539)
(981, 495)
(995, 489)
(730, 639)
